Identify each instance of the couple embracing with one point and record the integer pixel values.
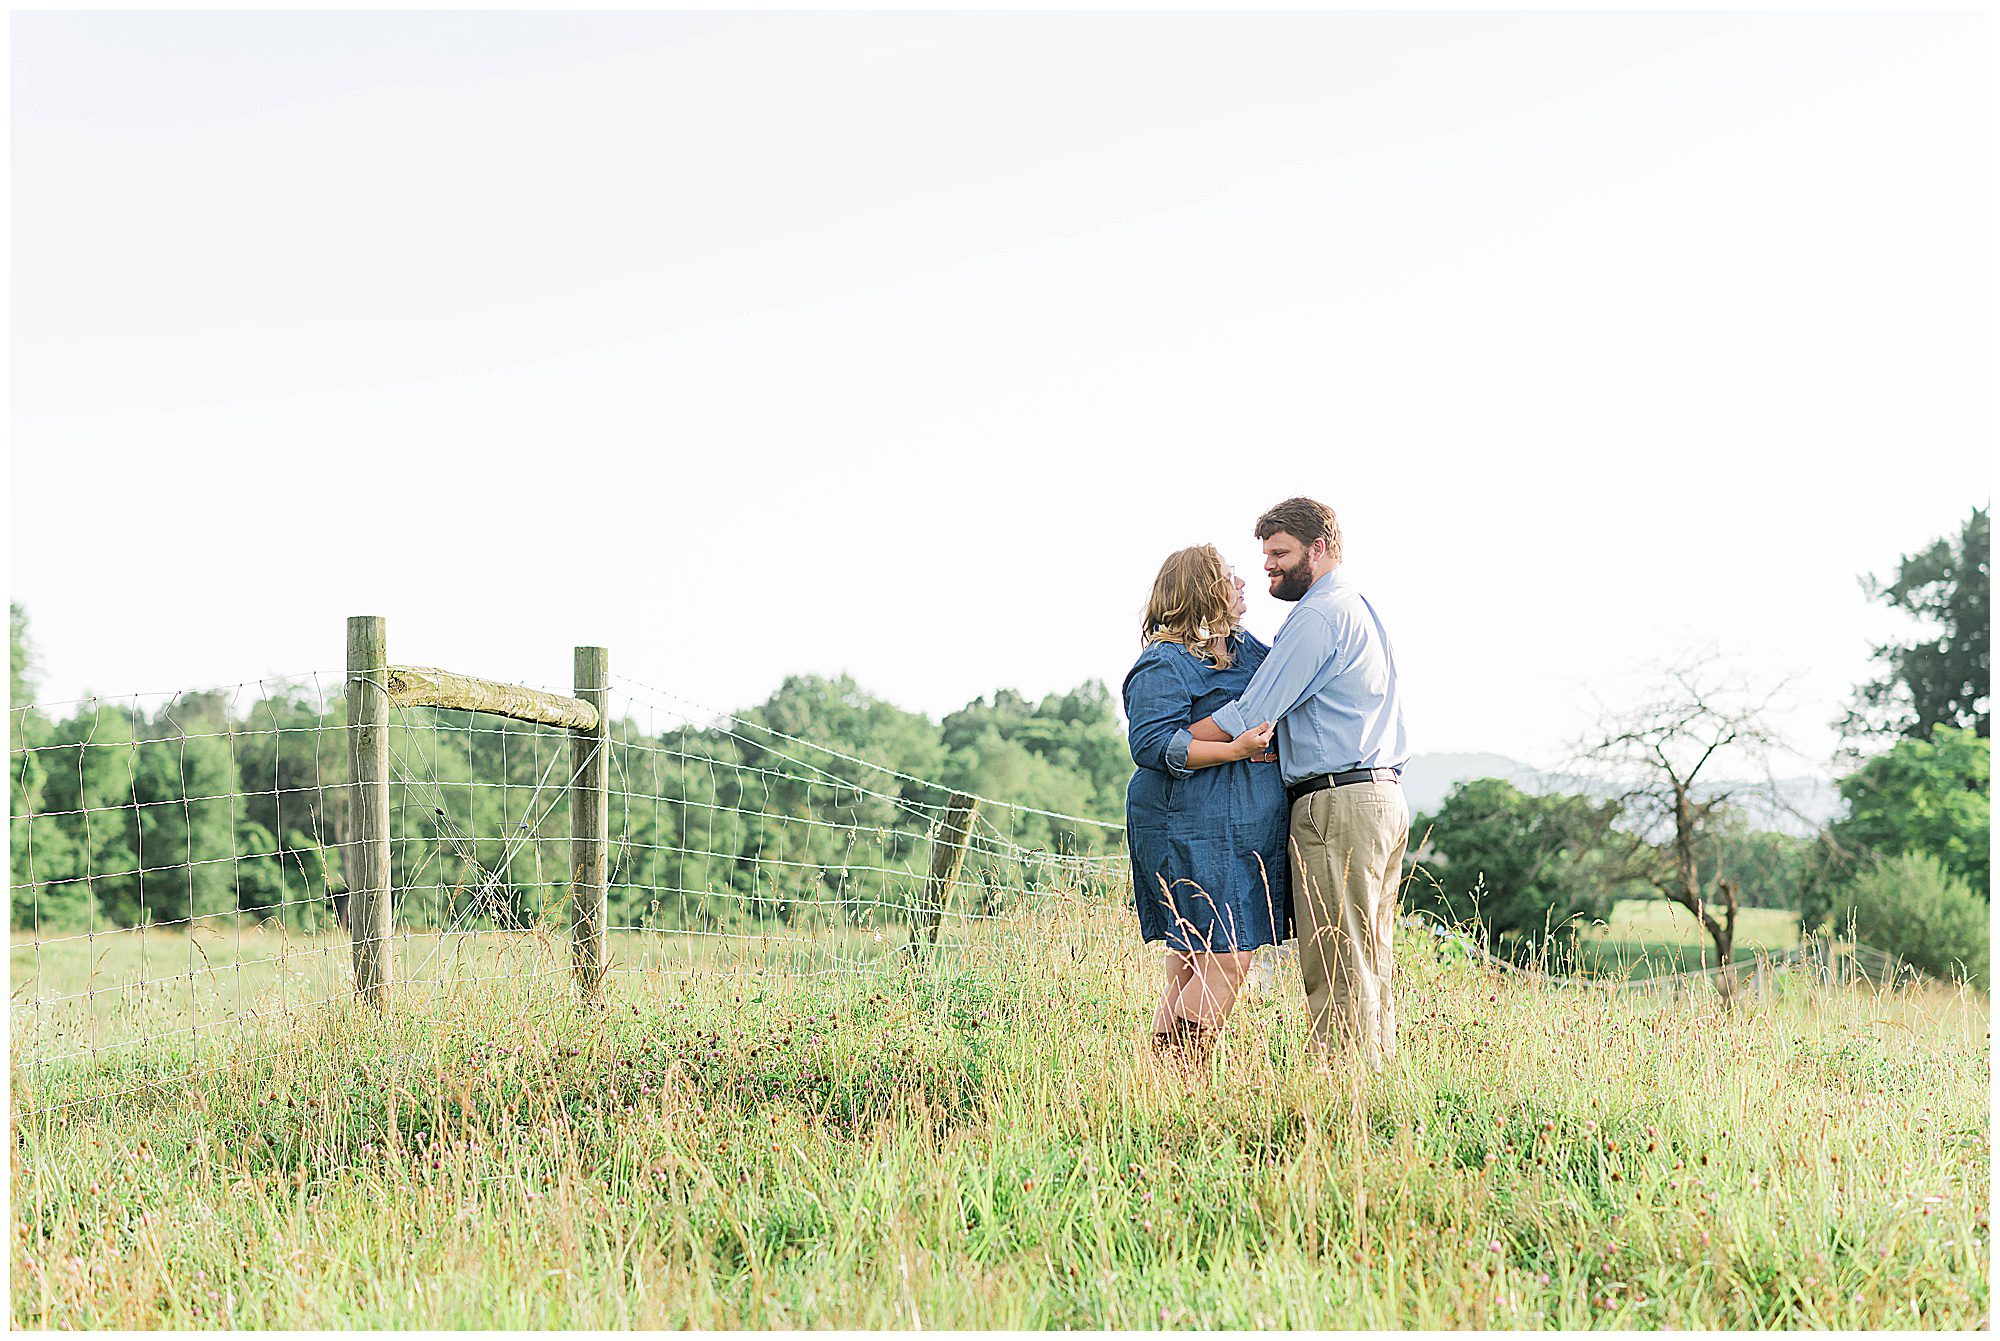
(1267, 802)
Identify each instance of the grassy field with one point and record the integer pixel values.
(1646, 938)
(986, 1142)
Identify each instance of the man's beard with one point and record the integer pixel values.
(1293, 583)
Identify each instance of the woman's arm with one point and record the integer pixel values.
(1157, 708)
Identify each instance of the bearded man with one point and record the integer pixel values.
(1330, 685)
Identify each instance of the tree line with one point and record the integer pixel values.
(203, 808)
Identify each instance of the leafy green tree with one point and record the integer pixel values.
(90, 762)
(42, 855)
(1065, 754)
(183, 793)
(1915, 907)
(259, 871)
(20, 658)
(1521, 866)
(290, 754)
(479, 819)
(820, 829)
(1946, 680)
(673, 839)
(1926, 796)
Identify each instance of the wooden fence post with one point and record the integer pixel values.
(947, 856)
(367, 855)
(590, 820)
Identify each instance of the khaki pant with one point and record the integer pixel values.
(1347, 866)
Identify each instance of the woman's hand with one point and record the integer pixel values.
(1255, 741)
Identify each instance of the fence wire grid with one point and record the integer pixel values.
(177, 879)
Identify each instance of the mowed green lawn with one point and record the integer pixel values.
(765, 1137)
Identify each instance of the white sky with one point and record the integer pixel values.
(909, 344)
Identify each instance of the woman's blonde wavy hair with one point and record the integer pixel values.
(1193, 604)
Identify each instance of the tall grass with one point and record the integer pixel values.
(986, 1141)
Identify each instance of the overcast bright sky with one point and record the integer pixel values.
(908, 345)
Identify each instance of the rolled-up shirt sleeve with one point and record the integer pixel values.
(1302, 649)
(1159, 711)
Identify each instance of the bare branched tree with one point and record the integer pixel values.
(1699, 744)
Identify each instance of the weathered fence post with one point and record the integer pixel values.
(947, 856)
(367, 854)
(590, 819)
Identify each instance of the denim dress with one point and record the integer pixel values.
(1210, 863)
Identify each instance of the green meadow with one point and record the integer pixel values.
(763, 1138)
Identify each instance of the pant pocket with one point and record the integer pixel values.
(1316, 814)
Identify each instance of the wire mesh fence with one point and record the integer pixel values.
(177, 882)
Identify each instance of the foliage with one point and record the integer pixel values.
(1065, 754)
(1523, 866)
(42, 855)
(1767, 866)
(1941, 681)
(1915, 907)
(1932, 796)
(806, 807)
(20, 658)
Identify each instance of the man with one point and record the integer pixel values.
(1330, 685)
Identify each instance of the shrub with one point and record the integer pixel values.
(1913, 906)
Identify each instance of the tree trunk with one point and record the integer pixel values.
(1685, 889)
(1724, 936)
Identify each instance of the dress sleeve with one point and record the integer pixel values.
(1158, 710)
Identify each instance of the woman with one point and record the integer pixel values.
(1206, 821)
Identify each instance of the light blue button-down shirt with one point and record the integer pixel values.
(1330, 685)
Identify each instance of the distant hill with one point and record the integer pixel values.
(1429, 778)
(1801, 804)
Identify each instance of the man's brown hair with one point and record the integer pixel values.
(1307, 520)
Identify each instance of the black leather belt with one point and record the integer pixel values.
(1308, 786)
